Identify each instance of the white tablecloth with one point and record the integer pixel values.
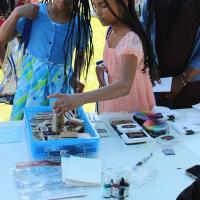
(168, 183)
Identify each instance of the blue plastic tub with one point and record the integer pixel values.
(73, 146)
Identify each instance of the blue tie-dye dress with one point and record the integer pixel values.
(43, 64)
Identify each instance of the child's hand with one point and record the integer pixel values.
(100, 74)
(29, 11)
(78, 86)
(65, 102)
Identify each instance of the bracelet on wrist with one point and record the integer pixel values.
(183, 82)
(185, 77)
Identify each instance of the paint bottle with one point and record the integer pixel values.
(115, 187)
(107, 189)
(127, 186)
(121, 192)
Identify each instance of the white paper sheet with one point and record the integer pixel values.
(164, 86)
(82, 171)
(105, 76)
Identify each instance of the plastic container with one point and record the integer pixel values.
(73, 146)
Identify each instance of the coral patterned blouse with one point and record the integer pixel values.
(141, 96)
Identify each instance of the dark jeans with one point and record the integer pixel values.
(188, 96)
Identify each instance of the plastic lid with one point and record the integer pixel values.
(107, 180)
(116, 180)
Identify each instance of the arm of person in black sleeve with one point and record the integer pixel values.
(192, 72)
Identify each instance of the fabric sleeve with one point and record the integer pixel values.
(194, 61)
(20, 25)
(143, 17)
(130, 44)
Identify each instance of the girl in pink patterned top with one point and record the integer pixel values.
(128, 58)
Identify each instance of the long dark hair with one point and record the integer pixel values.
(81, 12)
(131, 19)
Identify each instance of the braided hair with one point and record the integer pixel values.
(80, 12)
(131, 19)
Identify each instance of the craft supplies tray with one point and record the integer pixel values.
(56, 147)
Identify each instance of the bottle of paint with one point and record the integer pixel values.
(115, 187)
(121, 193)
(107, 190)
(127, 186)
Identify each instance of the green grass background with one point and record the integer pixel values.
(91, 83)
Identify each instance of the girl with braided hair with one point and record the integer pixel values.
(59, 29)
(128, 58)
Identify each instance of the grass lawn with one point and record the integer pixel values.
(91, 83)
